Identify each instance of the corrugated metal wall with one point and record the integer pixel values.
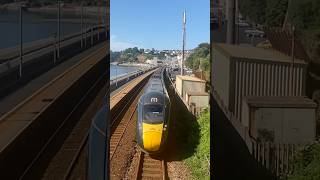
(257, 78)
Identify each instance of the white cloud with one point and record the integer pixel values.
(117, 45)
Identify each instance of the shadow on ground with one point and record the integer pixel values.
(184, 132)
(231, 158)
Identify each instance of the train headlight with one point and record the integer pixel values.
(165, 127)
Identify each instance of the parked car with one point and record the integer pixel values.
(254, 32)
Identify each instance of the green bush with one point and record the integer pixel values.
(199, 161)
(307, 163)
(200, 58)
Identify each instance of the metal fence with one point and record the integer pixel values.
(277, 158)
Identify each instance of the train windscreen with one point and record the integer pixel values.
(153, 114)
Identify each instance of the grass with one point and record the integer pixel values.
(199, 161)
(307, 163)
(189, 137)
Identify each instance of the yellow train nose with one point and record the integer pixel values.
(152, 134)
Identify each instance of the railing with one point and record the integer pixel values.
(277, 158)
(12, 53)
(113, 80)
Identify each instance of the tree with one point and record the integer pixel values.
(276, 12)
(254, 10)
(200, 58)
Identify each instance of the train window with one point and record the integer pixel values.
(153, 114)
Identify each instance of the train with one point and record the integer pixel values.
(153, 115)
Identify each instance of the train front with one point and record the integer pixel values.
(152, 125)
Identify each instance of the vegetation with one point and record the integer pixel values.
(199, 161)
(307, 163)
(305, 15)
(268, 12)
(200, 58)
(135, 55)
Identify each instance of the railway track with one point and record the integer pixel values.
(53, 115)
(80, 146)
(75, 136)
(120, 123)
(150, 167)
(123, 106)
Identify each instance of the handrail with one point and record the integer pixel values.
(47, 43)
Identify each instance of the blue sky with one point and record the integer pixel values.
(158, 23)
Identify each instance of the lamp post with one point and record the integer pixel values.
(183, 41)
(116, 76)
(21, 43)
(292, 63)
(54, 48)
(81, 24)
(58, 31)
(85, 27)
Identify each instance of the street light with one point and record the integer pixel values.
(59, 6)
(116, 77)
(81, 24)
(20, 67)
(54, 47)
(85, 27)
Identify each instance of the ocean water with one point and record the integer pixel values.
(120, 70)
(35, 27)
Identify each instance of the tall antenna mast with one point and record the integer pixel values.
(183, 41)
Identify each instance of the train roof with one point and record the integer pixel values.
(156, 82)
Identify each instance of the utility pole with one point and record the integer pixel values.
(98, 16)
(231, 22)
(20, 67)
(219, 15)
(237, 22)
(107, 23)
(58, 55)
(116, 75)
(81, 24)
(286, 19)
(292, 63)
(54, 48)
(91, 34)
(85, 27)
(183, 41)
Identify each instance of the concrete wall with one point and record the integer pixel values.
(184, 86)
(179, 86)
(220, 75)
(200, 101)
(288, 125)
(192, 86)
(262, 78)
(245, 115)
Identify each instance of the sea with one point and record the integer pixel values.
(35, 26)
(116, 70)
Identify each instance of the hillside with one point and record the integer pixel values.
(200, 59)
(136, 55)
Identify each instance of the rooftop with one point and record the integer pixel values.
(280, 102)
(197, 93)
(190, 78)
(250, 52)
